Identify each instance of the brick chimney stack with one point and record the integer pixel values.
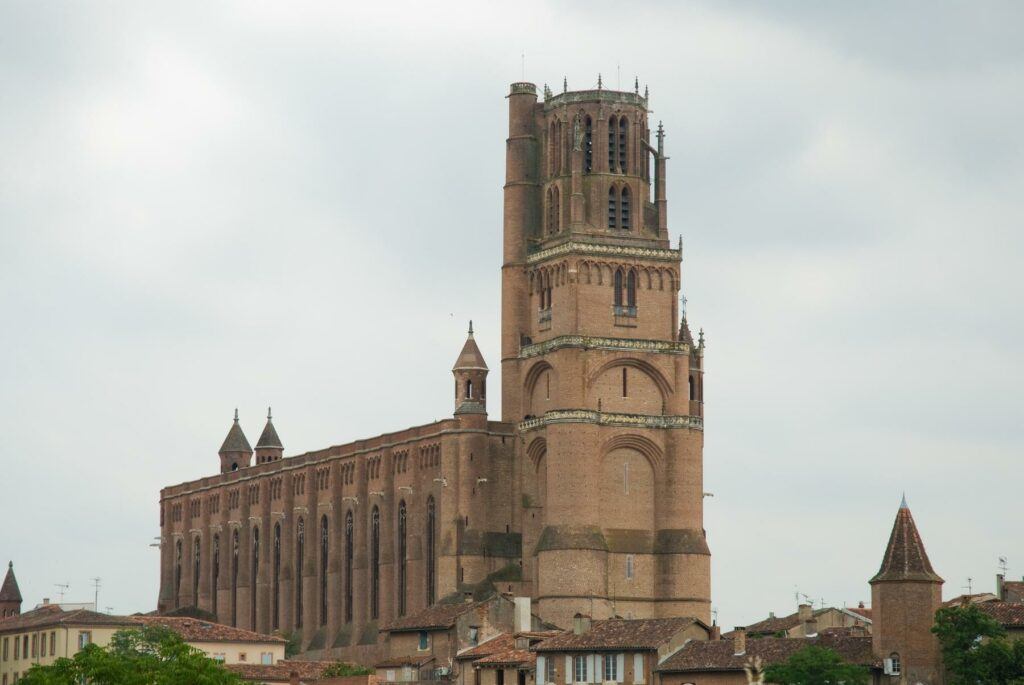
(739, 641)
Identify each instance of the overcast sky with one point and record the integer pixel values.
(205, 206)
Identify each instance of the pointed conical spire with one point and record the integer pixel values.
(268, 438)
(9, 591)
(470, 357)
(905, 557)
(235, 440)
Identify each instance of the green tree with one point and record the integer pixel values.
(149, 655)
(975, 650)
(343, 669)
(816, 666)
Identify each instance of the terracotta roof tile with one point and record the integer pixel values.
(507, 657)
(905, 557)
(53, 615)
(1009, 614)
(196, 630)
(433, 617)
(399, 661)
(281, 671)
(618, 633)
(719, 655)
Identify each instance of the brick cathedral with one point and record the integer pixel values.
(586, 496)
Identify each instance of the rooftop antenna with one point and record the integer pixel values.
(1002, 565)
(96, 592)
(61, 589)
(969, 586)
(714, 615)
(523, 60)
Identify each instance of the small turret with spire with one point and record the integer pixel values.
(235, 453)
(10, 595)
(269, 447)
(470, 372)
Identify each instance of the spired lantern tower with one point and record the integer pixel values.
(603, 381)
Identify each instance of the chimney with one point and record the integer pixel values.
(811, 627)
(522, 614)
(293, 678)
(46, 601)
(1000, 587)
(739, 640)
(580, 624)
(805, 612)
(716, 632)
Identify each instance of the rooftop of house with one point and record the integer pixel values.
(282, 670)
(781, 624)
(52, 615)
(501, 649)
(976, 598)
(1009, 614)
(415, 660)
(196, 630)
(720, 655)
(618, 633)
(435, 617)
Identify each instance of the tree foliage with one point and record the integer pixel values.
(975, 650)
(816, 666)
(343, 669)
(149, 655)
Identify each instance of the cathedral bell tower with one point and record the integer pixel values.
(599, 374)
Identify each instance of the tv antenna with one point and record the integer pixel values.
(61, 589)
(714, 615)
(96, 592)
(1002, 565)
(969, 586)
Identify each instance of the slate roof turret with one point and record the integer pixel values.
(905, 557)
(268, 438)
(470, 357)
(235, 440)
(9, 591)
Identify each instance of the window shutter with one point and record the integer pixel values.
(620, 668)
(541, 672)
(568, 669)
(638, 668)
(592, 675)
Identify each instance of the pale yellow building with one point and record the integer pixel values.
(45, 634)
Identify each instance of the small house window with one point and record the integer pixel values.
(610, 670)
(425, 639)
(579, 668)
(894, 660)
(629, 566)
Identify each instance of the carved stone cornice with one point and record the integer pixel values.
(611, 419)
(602, 95)
(603, 250)
(594, 343)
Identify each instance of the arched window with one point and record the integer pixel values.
(348, 567)
(195, 573)
(276, 580)
(252, 578)
(177, 573)
(631, 289)
(622, 144)
(559, 147)
(215, 580)
(431, 567)
(234, 577)
(613, 130)
(613, 207)
(618, 287)
(375, 563)
(323, 570)
(554, 210)
(300, 549)
(402, 568)
(624, 218)
(588, 145)
(552, 150)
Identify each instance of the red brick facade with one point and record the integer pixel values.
(587, 495)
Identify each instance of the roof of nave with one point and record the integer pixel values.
(268, 438)
(618, 633)
(720, 655)
(905, 557)
(235, 440)
(470, 356)
(9, 591)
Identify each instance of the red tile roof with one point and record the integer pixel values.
(9, 591)
(1009, 614)
(52, 615)
(433, 617)
(905, 557)
(719, 655)
(281, 671)
(508, 657)
(618, 633)
(399, 661)
(195, 630)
